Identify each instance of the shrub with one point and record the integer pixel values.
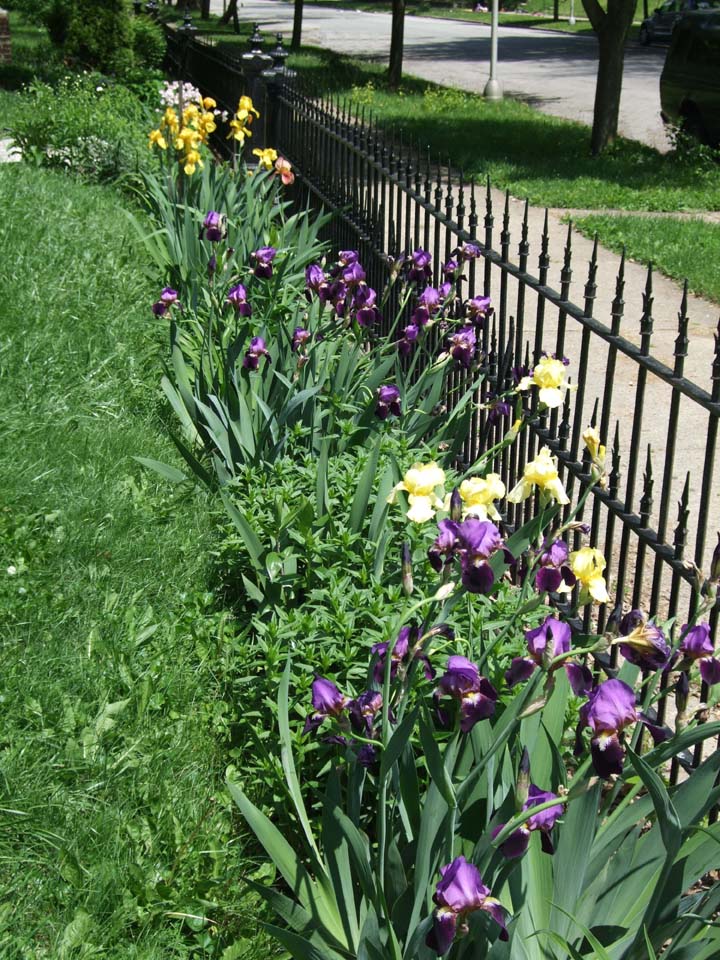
(148, 42)
(100, 35)
(85, 124)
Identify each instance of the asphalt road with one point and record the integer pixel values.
(553, 71)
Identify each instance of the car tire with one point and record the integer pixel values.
(644, 36)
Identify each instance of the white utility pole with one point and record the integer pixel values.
(493, 88)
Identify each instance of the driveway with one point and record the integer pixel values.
(554, 71)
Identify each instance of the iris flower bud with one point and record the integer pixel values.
(406, 567)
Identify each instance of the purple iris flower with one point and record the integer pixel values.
(404, 651)
(263, 262)
(611, 707)
(468, 251)
(300, 338)
(409, 338)
(314, 278)
(256, 350)
(477, 310)
(214, 227)
(348, 257)
(442, 551)
(462, 346)
(519, 840)
(450, 268)
(327, 702)
(353, 274)
(168, 297)
(498, 410)
(363, 710)
(237, 296)
(460, 892)
(418, 265)
(364, 302)
(555, 573)
(388, 401)
(642, 642)
(477, 540)
(474, 694)
(551, 639)
(697, 645)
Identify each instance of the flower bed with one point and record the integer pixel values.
(476, 772)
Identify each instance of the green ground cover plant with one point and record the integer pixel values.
(679, 249)
(116, 838)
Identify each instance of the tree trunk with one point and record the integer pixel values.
(611, 27)
(607, 90)
(397, 32)
(297, 25)
(204, 9)
(231, 13)
(556, 9)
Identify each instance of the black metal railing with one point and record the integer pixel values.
(660, 427)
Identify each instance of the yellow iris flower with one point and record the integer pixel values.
(245, 105)
(156, 138)
(549, 376)
(588, 565)
(421, 483)
(266, 157)
(540, 473)
(478, 495)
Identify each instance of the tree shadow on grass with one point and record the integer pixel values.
(535, 155)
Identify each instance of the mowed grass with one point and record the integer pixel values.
(679, 249)
(116, 838)
(544, 159)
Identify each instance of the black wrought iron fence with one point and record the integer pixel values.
(654, 519)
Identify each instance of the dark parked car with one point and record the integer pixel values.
(690, 81)
(661, 24)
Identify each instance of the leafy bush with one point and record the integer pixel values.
(148, 42)
(85, 123)
(100, 35)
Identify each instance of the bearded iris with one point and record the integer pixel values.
(327, 702)
(463, 345)
(478, 496)
(549, 376)
(421, 483)
(237, 298)
(642, 642)
(256, 350)
(554, 574)
(611, 707)
(474, 694)
(460, 892)
(697, 645)
(168, 298)
(214, 227)
(543, 821)
(541, 474)
(388, 401)
(546, 642)
(263, 262)
(588, 565)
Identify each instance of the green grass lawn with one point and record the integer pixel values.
(116, 838)
(679, 249)
(483, 138)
